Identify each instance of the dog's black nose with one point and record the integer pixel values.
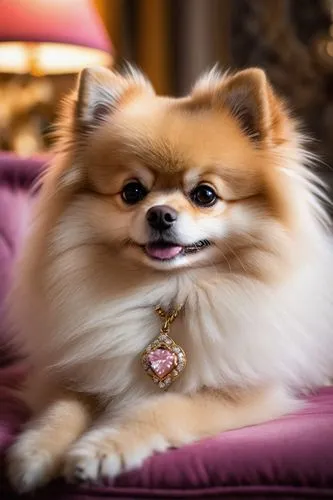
(161, 217)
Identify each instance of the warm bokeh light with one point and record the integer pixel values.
(49, 58)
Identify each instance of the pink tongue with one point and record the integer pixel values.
(163, 253)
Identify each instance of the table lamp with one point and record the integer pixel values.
(51, 37)
(43, 38)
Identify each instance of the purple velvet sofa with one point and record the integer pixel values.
(289, 458)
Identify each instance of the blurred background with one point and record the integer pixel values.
(44, 43)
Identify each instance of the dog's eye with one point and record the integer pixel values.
(133, 192)
(203, 196)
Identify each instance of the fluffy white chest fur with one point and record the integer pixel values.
(89, 328)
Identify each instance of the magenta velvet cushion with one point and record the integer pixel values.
(17, 176)
(288, 458)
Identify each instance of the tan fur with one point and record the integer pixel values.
(48, 437)
(170, 421)
(85, 289)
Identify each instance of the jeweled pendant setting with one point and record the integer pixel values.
(163, 359)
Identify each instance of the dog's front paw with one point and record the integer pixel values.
(103, 454)
(29, 465)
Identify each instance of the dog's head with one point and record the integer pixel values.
(173, 183)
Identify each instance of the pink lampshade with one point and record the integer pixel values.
(55, 36)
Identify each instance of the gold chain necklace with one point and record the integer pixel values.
(164, 360)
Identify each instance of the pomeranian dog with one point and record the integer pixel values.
(201, 209)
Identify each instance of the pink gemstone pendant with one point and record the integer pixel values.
(163, 360)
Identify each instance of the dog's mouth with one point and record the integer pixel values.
(165, 250)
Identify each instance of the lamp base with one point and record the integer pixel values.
(27, 106)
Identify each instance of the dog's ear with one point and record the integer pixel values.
(249, 98)
(246, 96)
(98, 95)
(100, 92)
